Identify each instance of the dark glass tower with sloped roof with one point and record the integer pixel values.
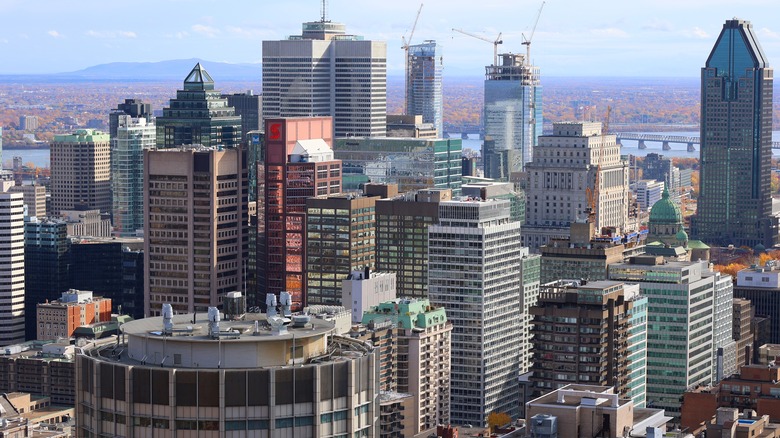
(735, 203)
(198, 115)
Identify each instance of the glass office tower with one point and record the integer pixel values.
(735, 203)
(513, 114)
(423, 84)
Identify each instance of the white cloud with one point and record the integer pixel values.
(203, 29)
(611, 32)
(4, 41)
(767, 33)
(658, 26)
(54, 34)
(109, 34)
(696, 32)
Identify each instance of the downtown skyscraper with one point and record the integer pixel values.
(132, 137)
(735, 202)
(512, 115)
(12, 316)
(199, 115)
(474, 271)
(423, 84)
(325, 72)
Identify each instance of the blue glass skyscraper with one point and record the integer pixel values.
(513, 115)
(735, 203)
(423, 86)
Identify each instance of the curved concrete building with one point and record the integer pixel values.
(189, 376)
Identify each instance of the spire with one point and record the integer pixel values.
(198, 79)
(324, 11)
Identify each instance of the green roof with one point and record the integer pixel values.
(406, 313)
(665, 211)
(697, 244)
(83, 136)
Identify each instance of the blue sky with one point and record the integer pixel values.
(573, 38)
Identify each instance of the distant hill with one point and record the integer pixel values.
(167, 70)
(173, 70)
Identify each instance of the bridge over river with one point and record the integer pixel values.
(667, 140)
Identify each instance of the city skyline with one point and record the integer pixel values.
(630, 40)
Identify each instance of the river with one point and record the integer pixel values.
(631, 147)
(40, 157)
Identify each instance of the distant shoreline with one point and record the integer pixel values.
(24, 148)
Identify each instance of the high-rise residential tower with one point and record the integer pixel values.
(326, 72)
(474, 272)
(198, 115)
(196, 216)
(11, 266)
(133, 136)
(735, 201)
(595, 320)
(513, 114)
(423, 84)
(81, 171)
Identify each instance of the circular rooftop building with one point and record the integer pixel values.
(195, 375)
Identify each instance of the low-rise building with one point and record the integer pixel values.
(87, 223)
(590, 411)
(43, 369)
(756, 387)
(768, 353)
(729, 422)
(60, 318)
(585, 254)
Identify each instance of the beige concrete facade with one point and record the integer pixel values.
(81, 171)
(196, 243)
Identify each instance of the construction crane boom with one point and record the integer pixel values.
(527, 41)
(405, 46)
(495, 42)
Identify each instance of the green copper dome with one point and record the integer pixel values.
(681, 236)
(665, 211)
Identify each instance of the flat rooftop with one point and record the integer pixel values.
(185, 329)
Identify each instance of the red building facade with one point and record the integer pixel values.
(299, 164)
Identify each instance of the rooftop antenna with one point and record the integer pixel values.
(324, 11)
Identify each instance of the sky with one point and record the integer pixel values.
(632, 38)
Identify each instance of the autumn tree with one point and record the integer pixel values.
(498, 419)
(731, 268)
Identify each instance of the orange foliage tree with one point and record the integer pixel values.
(731, 268)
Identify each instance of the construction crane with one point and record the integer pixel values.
(405, 46)
(495, 42)
(593, 195)
(527, 41)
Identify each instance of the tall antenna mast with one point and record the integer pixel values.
(324, 15)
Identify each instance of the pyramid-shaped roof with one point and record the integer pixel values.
(198, 79)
